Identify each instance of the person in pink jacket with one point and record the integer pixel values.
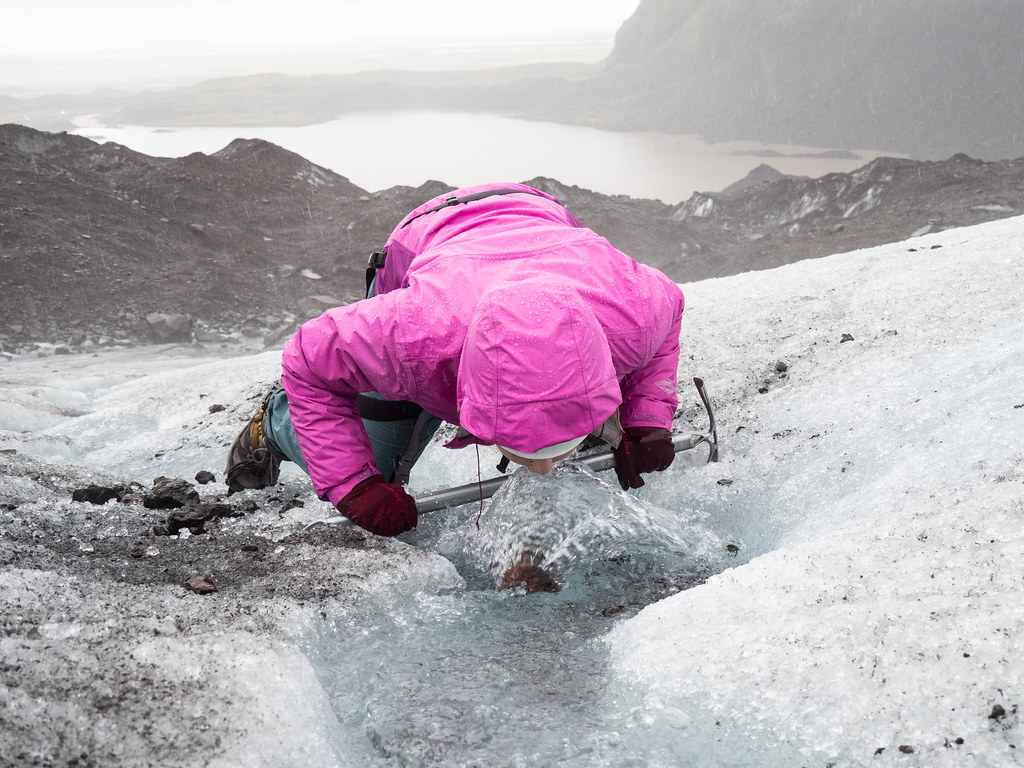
(491, 308)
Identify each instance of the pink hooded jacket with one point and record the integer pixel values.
(511, 320)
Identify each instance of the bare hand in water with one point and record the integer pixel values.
(527, 573)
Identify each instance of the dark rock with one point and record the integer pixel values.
(204, 477)
(314, 306)
(216, 511)
(291, 504)
(194, 517)
(191, 518)
(997, 712)
(201, 585)
(170, 493)
(168, 328)
(530, 575)
(846, 337)
(100, 494)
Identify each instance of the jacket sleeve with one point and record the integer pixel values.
(649, 397)
(329, 361)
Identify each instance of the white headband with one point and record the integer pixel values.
(550, 452)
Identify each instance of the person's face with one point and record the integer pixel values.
(540, 466)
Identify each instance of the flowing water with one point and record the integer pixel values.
(504, 677)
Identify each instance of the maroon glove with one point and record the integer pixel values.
(642, 449)
(379, 507)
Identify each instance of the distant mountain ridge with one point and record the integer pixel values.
(100, 244)
(922, 78)
(926, 78)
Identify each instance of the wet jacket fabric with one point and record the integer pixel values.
(502, 315)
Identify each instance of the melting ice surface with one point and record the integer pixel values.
(501, 678)
(844, 588)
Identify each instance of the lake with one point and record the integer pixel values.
(378, 150)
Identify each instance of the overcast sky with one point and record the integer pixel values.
(55, 27)
(103, 41)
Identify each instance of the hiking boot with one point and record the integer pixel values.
(252, 460)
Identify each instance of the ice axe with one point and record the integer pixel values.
(596, 462)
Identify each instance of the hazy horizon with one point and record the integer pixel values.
(60, 47)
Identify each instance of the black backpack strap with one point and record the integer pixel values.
(375, 262)
(375, 409)
(404, 464)
(452, 200)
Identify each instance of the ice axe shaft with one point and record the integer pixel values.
(596, 462)
(465, 494)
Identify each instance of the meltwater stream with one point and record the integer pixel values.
(494, 677)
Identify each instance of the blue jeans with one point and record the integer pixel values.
(389, 439)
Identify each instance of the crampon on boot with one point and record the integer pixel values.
(252, 461)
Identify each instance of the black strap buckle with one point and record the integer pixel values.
(375, 262)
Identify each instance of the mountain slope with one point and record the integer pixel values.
(96, 239)
(927, 78)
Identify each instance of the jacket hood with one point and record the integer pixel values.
(536, 368)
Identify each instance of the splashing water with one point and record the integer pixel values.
(597, 540)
